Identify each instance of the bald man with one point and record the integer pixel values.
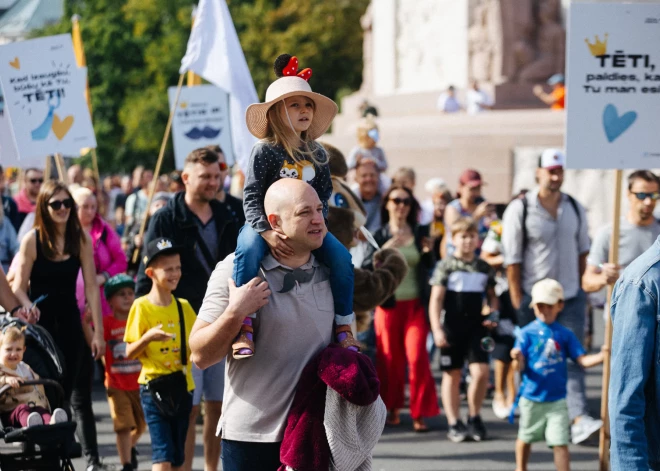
(294, 306)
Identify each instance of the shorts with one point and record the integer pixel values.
(126, 411)
(463, 344)
(503, 346)
(209, 382)
(539, 420)
(168, 435)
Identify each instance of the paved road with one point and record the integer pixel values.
(401, 450)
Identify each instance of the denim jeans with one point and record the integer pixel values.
(250, 456)
(251, 248)
(168, 435)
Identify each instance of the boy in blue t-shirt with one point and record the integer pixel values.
(541, 351)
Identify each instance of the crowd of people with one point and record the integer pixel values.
(234, 303)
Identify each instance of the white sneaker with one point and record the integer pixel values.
(59, 416)
(34, 419)
(584, 428)
(501, 410)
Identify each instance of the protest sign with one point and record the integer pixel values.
(44, 95)
(613, 81)
(201, 119)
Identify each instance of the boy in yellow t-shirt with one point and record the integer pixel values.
(153, 336)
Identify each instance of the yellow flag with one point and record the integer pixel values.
(79, 51)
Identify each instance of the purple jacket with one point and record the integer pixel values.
(108, 257)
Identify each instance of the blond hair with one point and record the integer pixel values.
(80, 194)
(280, 133)
(12, 334)
(462, 225)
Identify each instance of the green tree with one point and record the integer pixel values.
(134, 50)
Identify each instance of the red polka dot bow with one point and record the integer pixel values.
(291, 69)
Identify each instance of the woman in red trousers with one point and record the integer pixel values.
(400, 322)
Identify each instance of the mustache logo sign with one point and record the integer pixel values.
(207, 133)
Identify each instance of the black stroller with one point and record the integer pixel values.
(42, 447)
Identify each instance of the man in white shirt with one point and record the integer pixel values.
(477, 100)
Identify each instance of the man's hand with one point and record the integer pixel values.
(157, 334)
(610, 273)
(277, 243)
(14, 382)
(440, 338)
(538, 90)
(249, 298)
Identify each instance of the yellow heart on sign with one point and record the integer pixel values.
(61, 126)
(16, 64)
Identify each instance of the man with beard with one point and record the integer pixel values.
(638, 231)
(206, 230)
(544, 235)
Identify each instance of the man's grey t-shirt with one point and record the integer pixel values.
(289, 331)
(634, 240)
(553, 247)
(209, 234)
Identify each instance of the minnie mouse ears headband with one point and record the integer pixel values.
(286, 65)
(290, 83)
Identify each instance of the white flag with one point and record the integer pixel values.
(215, 54)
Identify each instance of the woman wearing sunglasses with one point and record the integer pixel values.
(400, 322)
(49, 260)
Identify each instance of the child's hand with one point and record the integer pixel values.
(250, 297)
(440, 338)
(277, 244)
(490, 325)
(157, 334)
(14, 382)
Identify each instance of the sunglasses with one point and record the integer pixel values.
(223, 166)
(642, 196)
(57, 204)
(403, 201)
(34, 181)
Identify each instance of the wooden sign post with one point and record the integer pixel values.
(604, 445)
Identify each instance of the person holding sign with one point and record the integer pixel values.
(26, 199)
(545, 235)
(638, 231)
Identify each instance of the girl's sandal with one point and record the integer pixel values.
(420, 427)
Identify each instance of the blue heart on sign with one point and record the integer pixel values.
(614, 124)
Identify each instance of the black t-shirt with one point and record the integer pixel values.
(466, 283)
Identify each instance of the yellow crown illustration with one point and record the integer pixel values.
(599, 48)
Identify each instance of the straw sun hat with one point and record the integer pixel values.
(291, 83)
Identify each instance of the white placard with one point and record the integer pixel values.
(201, 119)
(45, 97)
(8, 152)
(613, 80)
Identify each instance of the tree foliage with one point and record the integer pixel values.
(134, 50)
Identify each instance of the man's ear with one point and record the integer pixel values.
(274, 221)
(184, 176)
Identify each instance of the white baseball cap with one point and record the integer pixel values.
(552, 159)
(548, 292)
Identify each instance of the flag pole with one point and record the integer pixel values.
(159, 162)
(48, 169)
(604, 443)
(81, 61)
